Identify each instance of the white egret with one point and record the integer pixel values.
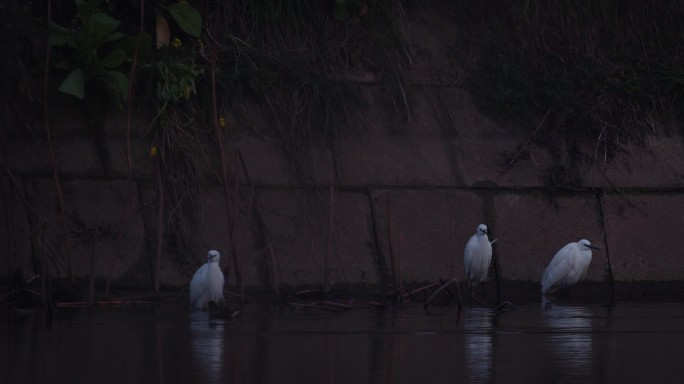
(478, 256)
(207, 283)
(567, 267)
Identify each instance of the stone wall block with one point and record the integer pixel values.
(95, 216)
(642, 236)
(395, 160)
(375, 115)
(530, 230)
(213, 234)
(116, 122)
(436, 226)
(143, 166)
(395, 139)
(270, 164)
(67, 117)
(171, 272)
(429, 116)
(433, 58)
(14, 228)
(74, 157)
(484, 148)
(265, 160)
(209, 232)
(298, 225)
(659, 163)
(252, 130)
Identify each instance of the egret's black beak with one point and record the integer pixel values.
(592, 247)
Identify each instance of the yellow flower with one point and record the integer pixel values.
(153, 152)
(176, 43)
(222, 122)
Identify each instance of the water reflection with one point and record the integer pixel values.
(207, 347)
(268, 345)
(479, 346)
(570, 341)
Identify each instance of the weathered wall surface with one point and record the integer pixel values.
(430, 173)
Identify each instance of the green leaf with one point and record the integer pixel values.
(127, 44)
(74, 84)
(114, 37)
(340, 10)
(59, 35)
(187, 17)
(102, 25)
(56, 28)
(120, 81)
(57, 40)
(114, 59)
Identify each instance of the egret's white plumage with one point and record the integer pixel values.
(478, 256)
(568, 266)
(207, 283)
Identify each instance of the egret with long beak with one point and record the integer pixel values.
(477, 257)
(567, 267)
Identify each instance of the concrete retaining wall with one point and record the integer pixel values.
(440, 165)
(439, 186)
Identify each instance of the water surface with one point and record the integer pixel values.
(169, 344)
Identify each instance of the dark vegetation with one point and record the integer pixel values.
(191, 63)
(579, 72)
(602, 73)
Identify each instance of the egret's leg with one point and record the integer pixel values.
(548, 299)
(473, 297)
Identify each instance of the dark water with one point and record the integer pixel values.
(169, 344)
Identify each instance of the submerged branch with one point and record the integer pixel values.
(443, 287)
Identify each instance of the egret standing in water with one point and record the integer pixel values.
(478, 256)
(207, 283)
(567, 267)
